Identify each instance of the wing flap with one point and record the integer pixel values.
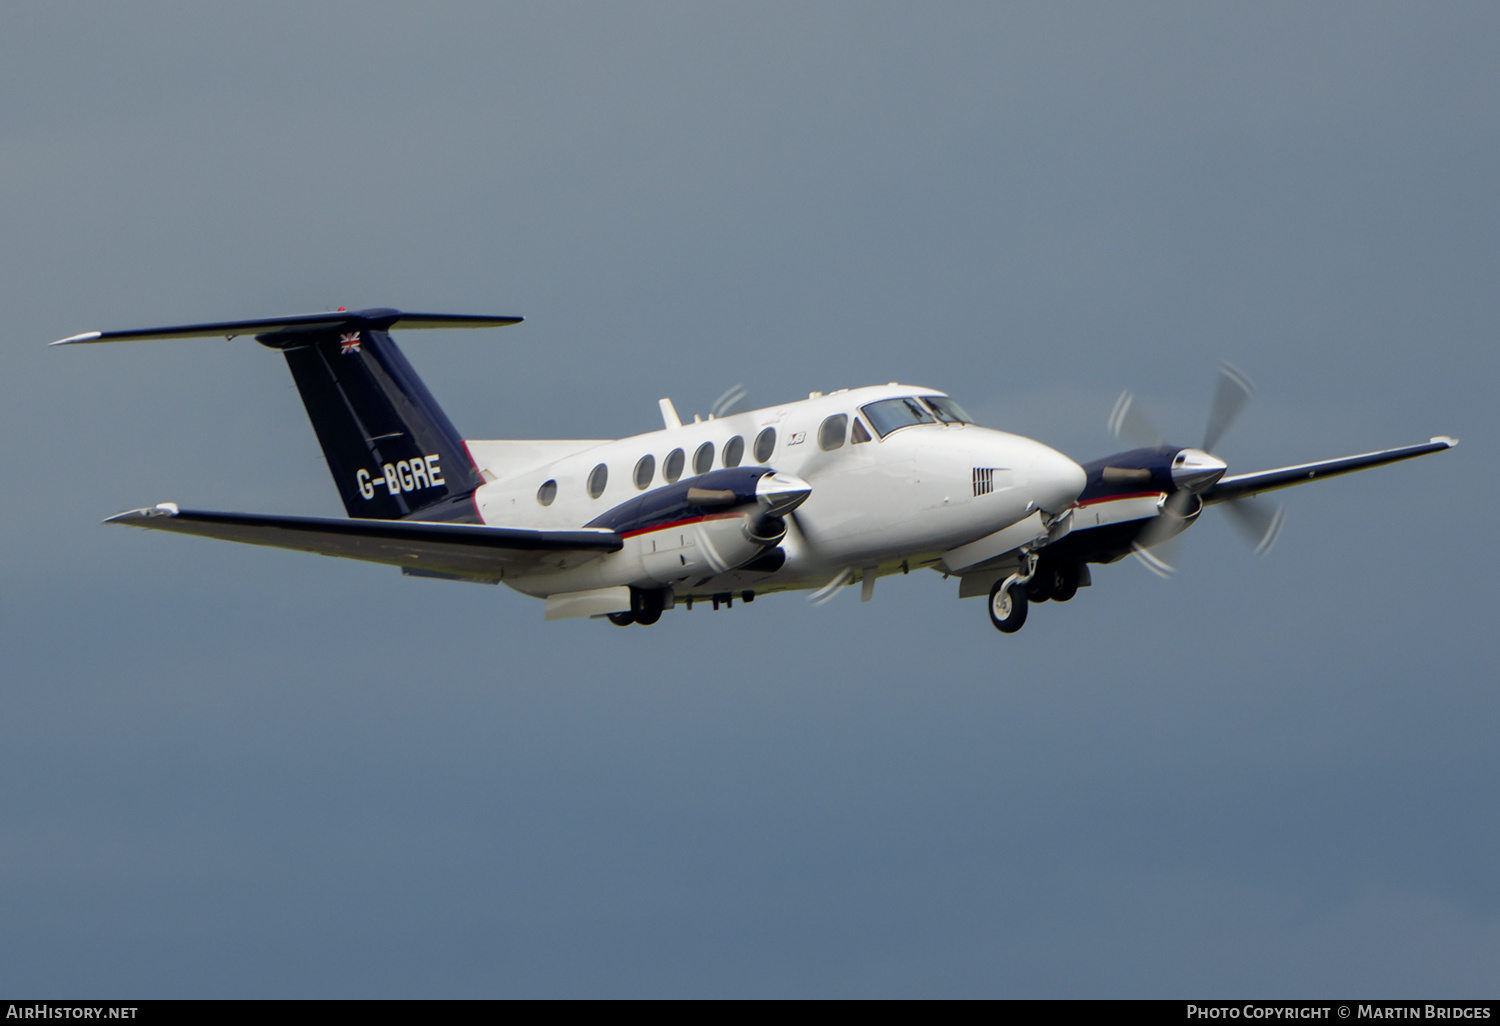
(460, 550)
(1244, 485)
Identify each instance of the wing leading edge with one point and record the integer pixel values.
(458, 550)
(1243, 486)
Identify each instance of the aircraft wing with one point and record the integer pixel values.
(425, 549)
(1244, 485)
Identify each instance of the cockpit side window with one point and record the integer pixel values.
(894, 414)
(948, 411)
(860, 432)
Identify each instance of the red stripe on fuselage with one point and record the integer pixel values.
(678, 523)
(1119, 498)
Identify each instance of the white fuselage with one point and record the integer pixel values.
(878, 503)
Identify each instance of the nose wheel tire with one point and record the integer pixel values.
(1007, 607)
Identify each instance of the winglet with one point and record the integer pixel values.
(161, 509)
(87, 336)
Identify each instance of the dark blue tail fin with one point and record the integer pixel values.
(393, 452)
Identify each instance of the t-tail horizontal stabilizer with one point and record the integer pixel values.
(378, 319)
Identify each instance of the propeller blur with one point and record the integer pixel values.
(811, 495)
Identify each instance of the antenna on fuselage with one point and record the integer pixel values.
(669, 414)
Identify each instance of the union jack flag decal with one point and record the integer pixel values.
(349, 343)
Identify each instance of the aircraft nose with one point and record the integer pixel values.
(1056, 481)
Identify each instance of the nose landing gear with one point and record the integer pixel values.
(1008, 597)
(1008, 606)
(1036, 581)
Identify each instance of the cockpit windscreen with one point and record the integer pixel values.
(893, 414)
(948, 411)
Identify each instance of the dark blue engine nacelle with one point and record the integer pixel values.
(711, 523)
(1128, 473)
(688, 499)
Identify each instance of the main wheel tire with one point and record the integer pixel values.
(1007, 607)
(1039, 588)
(646, 605)
(1065, 582)
(621, 619)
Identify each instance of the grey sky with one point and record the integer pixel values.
(233, 771)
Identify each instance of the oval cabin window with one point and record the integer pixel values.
(598, 478)
(831, 434)
(645, 470)
(671, 467)
(734, 451)
(546, 493)
(703, 459)
(765, 444)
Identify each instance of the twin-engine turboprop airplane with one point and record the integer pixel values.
(810, 495)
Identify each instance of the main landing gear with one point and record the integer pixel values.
(1057, 581)
(645, 608)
